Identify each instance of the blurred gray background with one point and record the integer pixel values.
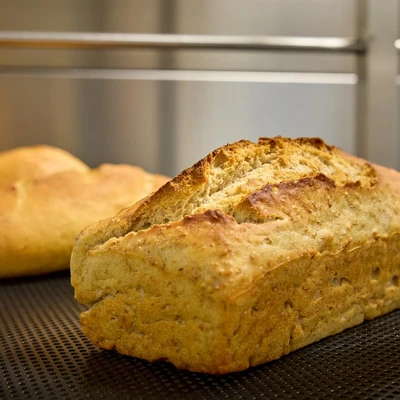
(165, 108)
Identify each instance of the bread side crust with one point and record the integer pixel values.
(289, 307)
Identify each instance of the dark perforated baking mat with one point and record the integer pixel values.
(43, 355)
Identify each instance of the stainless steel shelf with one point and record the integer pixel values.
(86, 40)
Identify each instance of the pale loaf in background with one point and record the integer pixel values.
(255, 251)
(47, 196)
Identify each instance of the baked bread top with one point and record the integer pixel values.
(36, 162)
(47, 196)
(285, 197)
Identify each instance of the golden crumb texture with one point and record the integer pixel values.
(47, 196)
(257, 250)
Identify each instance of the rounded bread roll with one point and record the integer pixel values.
(47, 196)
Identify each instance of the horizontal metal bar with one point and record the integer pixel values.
(183, 75)
(87, 40)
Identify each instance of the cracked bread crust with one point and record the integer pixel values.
(48, 196)
(257, 250)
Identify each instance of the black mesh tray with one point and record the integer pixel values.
(43, 355)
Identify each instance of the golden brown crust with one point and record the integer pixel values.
(255, 251)
(48, 196)
(36, 162)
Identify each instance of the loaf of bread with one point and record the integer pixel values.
(47, 196)
(255, 251)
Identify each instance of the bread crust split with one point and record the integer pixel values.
(47, 196)
(255, 251)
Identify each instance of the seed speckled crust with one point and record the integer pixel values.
(255, 251)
